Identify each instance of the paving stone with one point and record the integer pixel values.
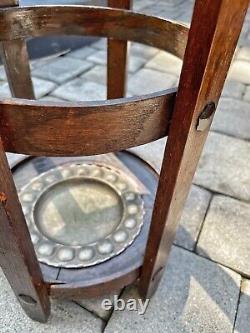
(165, 62)
(41, 87)
(82, 53)
(173, 3)
(162, 10)
(138, 5)
(247, 94)
(100, 44)
(197, 202)
(226, 232)
(240, 71)
(99, 57)
(233, 89)
(81, 90)
(51, 99)
(62, 69)
(143, 51)
(3, 76)
(195, 295)
(33, 64)
(152, 153)
(244, 39)
(233, 118)
(244, 54)
(95, 305)
(192, 217)
(224, 166)
(66, 316)
(147, 81)
(185, 17)
(134, 63)
(14, 159)
(243, 314)
(96, 74)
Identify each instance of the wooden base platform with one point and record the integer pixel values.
(118, 271)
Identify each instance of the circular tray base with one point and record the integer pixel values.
(80, 214)
(131, 258)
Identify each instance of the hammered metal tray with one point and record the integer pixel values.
(80, 215)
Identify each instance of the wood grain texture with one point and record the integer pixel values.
(15, 58)
(117, 59)
(81, 290)
(214, 32)
(18, 23)
(38, 128)
(49, 129)
(17, 257)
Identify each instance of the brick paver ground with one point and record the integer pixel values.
(206, 287)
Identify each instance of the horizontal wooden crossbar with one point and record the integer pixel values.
(49, 129)
(58, 129)
(24, 22)
(91, 290)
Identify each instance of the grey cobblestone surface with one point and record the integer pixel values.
(195, 295)
(206, 286)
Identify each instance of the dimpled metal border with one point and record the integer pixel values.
(69, 256)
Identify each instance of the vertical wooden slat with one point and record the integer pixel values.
(117, 59)
(17, 256)
(16, 62)
(215, 29)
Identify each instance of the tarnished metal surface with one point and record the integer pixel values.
(81, 214)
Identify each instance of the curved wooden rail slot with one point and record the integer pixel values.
(16, 23)
(73, 129)
(78, 290)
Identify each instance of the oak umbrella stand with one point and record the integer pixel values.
(52, 131)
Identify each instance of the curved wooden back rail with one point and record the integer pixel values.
(44, 129)
(57, 129)
(16, 23)
(36, 128)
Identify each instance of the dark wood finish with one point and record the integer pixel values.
(206, 62)
(117, 58)
(7, 3)
(17, 257)
(16, 23)
(41, 129)
(89, 128)
(15, 58)
(80, 290)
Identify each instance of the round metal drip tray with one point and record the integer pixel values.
(81, 214)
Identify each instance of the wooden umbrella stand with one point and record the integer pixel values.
(52, 131)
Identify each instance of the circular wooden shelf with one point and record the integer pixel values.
(116, 272)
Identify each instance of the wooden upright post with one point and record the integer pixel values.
(117, 59)
(16, 62)
(213, 36)
(17, 256)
